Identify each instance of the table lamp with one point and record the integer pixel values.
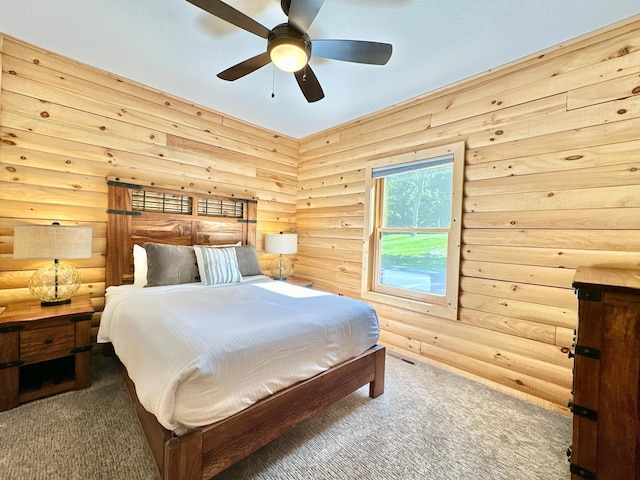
(282, 244)
(56, 283)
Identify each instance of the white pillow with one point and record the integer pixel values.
(217, 265)
(139, 266)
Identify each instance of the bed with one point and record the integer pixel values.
(189, 437)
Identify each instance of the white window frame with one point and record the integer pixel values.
(442, 306)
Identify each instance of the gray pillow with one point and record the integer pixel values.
(248, 261)
(170, 264)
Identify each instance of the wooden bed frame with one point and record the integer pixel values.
(203, 452)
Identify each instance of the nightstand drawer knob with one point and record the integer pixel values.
(48, 340)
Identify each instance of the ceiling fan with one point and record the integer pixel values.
(290, 48)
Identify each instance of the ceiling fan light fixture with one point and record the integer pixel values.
(289, 48)
(288, 57)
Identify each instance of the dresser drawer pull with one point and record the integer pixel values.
(48, 341)
(588, 352)
(584, 412)
(14, 363)
(582, 472)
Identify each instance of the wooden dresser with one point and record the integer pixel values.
(606, 415)
(44, 350)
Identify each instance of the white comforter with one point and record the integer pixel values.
(199, 354)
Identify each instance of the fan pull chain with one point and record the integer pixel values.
(273, 82)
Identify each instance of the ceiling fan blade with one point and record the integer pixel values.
(309, 84)
(245, 68)
(303, 12)
(357, 51)
(231, 15)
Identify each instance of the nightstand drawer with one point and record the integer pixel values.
(46, 342)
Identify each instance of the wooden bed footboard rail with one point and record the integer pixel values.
(206, 451)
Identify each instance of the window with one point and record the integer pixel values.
(412, 237)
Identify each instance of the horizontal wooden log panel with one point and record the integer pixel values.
(351, 188)
(7, 225)
(606, 197)
(331, 201)
(95, 290)
(617, 240)
(344, 165)
(395, 345)
(443, 134)
(8, 263)
(33, 94)
(337, 271)
(593, 136)
(581, 178)
(210, 186)
(334, 232)
(550, 82)
(524, 292)
(82, 135)
(573, 70)
(414, 110)
(43, 194)
(96, 78)
(282, 143)
(355, 210)
(552, 277)
(38, 107)
(553, 76)
(518, 381)
(594, 218)
(48, 211)
(502, 376)
(20, 278)
(538, 332)
(333, 243)
(468, 347)
(568, 160)
(91, 82)
(332, 180)
(354, 143)
(549, 315)
(549, 257)
(591, 50)
(611, 112)
(255, 157)
(525, 343)
(606, 91)
(69, 156)
(354, 256)
(345, 222)
(39, 178)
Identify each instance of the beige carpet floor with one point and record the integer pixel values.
(429, 424)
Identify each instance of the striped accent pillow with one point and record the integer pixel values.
(217, 265)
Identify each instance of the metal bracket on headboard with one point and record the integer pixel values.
(123, 184)
(123, 212)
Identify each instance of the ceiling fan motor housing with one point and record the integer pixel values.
(288, 35)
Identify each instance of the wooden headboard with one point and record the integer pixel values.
(139, 214)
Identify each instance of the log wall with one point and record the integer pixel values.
(65, 127)
(552, 181)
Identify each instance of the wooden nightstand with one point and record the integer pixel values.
(301, 282)
(44, 350)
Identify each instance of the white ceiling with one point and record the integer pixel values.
(176, 47)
